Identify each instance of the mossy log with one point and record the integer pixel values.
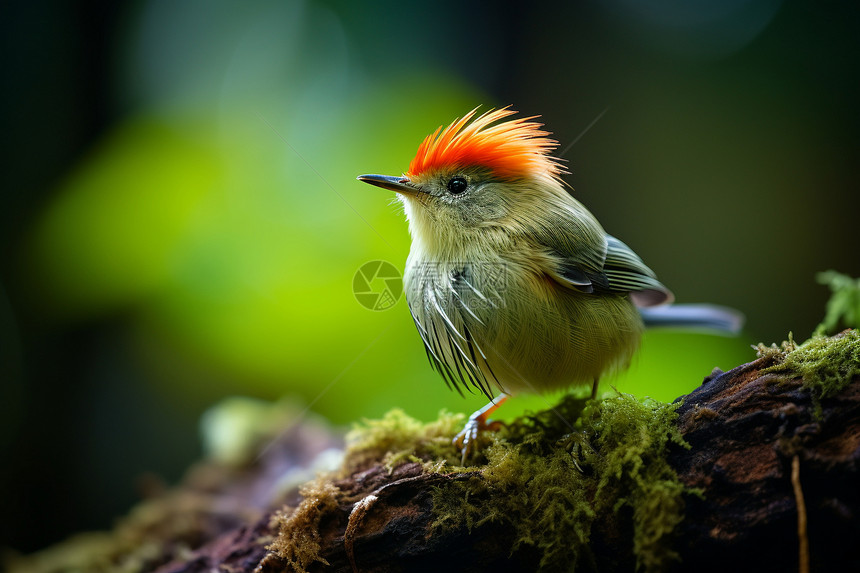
(767, 459)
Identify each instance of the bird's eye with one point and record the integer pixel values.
(457, 185)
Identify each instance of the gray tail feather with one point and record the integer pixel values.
(708, 317)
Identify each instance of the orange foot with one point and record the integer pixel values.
(467, 440)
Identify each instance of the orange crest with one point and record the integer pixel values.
(510, 149)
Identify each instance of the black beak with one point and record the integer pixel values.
(398, 184)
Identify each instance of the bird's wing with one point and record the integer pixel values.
(615, 269)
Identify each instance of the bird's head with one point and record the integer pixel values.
(477, 173)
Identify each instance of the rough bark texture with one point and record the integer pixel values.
(745, 428)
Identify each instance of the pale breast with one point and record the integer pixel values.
(497, 325)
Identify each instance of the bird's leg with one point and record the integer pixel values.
(466, 441)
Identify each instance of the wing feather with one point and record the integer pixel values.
(620, 270)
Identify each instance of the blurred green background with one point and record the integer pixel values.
(180, 220)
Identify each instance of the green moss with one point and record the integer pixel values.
(298, 539)
(547, 478)
(633, 439)
(550, 493)
(397, 438)
(776, 352)
(827, 365)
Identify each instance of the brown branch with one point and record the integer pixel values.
(748, 431)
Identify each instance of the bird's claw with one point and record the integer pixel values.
(467, 440)
(575, 443)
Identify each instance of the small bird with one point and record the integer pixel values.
(513, 284)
